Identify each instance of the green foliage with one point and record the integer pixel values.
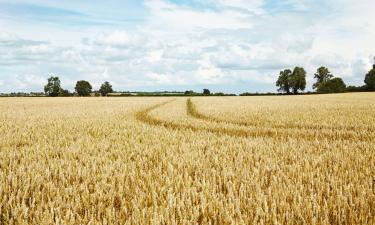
(357, 88)
(64, 93)
(105, 89)
(326, 83)
(370, 79)
(283, 82)
(294, 81)
(23, 94)
(192, 93)
(298, 79)
(53, 87)
(189, 92)
(206, 92)
(335, 85)
(322, 75)
(83, 88)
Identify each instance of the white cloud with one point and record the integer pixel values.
(121, 39)
(246, 6)
(171, 17)
(234, 42)
(20, 82)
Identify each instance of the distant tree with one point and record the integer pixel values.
(105, 89)
(370, 79)
(64, 93)
(322, 75)
(189, 92)
(335, 85)
(283, 82)
(206, 92)
(357, 88)
(83, 88)
(298, 79)
(53, 87)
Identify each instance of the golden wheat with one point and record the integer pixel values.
(216, 160)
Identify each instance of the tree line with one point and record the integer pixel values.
(83, 88)
(290, 82)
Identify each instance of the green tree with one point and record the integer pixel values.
(219, 94)
(283, 82)
(189, 92)
(64, 93)
(53, 87)
(83, 88)
(356, 88)
(298, 79)
(370, 79)
(105, 89)
(206, 92)
(335, 85)
(322, 75)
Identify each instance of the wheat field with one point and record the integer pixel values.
(199, 160)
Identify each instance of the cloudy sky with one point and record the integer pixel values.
(224, 45)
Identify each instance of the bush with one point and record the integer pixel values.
(189, 92)
(357, 89)
(335, 85)
(64, 93)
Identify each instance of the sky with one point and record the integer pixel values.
(230, 46)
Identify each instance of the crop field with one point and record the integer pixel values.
(200, 160)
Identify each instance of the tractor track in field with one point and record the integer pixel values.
(144, 116)
(193, 112)
(257, 132)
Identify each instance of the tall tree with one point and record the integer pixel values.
(83, 88)
(105, 89)
(53, 87)
(206, 92)
(283, 82)
(322, 75)
(370, 79)
(298, 79)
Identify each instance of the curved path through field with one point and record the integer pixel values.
(194, 112)
(144, 116)
(244, 129)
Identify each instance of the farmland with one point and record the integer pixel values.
(178, 160)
